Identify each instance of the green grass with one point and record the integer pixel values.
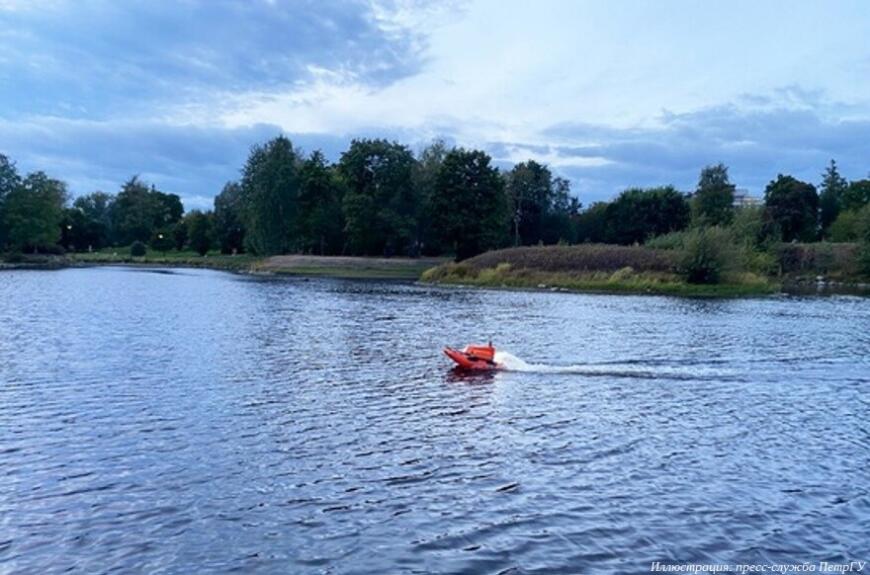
(214, 259)
(407, 273)
(625, 281)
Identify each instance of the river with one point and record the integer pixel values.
(193, 421)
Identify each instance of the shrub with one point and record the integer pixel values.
(846, 227)
(671, 241)
(817, 258)
(707, 253)
(138, 249)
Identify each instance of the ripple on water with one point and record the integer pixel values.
(207, 422)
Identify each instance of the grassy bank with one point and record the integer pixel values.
(348, 267)
(121, 256)
(591, 268)
(301, 265)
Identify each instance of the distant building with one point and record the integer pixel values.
(742, 199)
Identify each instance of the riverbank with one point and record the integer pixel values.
(624, 281)
(593, 268)
(301, 265)
(347, 267)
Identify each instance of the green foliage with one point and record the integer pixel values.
(229, 227)
(33, 212)
(670, 241)
(380, 204)
(138, 249)
(199, 230)
(833, 190)
(163, 239)
(640, 214)
(468, 204)
(541, 205)
(179, 235)
(78, 232)
(857, 195)
(591, 224)
(845, 227)
(96, 209)
(713, 201)
(863, 227)
(139, 210)
(425, 177)
(269, 192)
(792, 206)
(9, 181)
(748, 228)
(321, 221)
(707, 254)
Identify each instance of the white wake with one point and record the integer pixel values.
(511, 362)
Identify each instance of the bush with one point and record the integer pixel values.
(138, 249)
(820, 258)
(846, 227)
(671, 241)
(707, 254)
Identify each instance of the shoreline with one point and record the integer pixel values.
(431, 272)
(294, 265)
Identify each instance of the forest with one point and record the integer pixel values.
(382, 199)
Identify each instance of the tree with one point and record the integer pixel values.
(199, 230)
(79, 233)
(469, 207)
(559, 223)
(163, 239)
(139, 210)
(320, 215)
(33, 212)
(845, 227)
(425, 177)
(638, 214)
(269, 190)
(530, 190)
(168, 209)
(857, 195)
(9, 181)
(97, 210)
(792, 205)
(707, 253)
(833, 189)
(380, 204)
(229, 229)
(591, 224)
(179, 235)
(713, 202)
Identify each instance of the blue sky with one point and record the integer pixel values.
(609, 94)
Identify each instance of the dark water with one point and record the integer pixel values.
(194, 422)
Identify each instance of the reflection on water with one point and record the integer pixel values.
(205, 422)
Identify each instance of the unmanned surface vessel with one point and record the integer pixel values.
(474, 357)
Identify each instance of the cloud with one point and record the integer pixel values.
(193, 162)
(639, 94)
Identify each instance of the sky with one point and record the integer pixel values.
(609, 94)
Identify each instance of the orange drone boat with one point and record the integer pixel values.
(474, 357)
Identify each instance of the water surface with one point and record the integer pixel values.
(193, 421)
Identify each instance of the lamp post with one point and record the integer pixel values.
(69, 237)
(162, 245)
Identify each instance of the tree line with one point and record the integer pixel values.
(380, 199)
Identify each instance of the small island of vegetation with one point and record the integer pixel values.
(383, 211)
